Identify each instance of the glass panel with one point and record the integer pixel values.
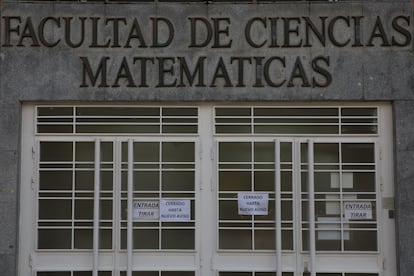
(55, 180)
(177, 181)
(179, 128)
(177, 273)
(263, 152)
(53, 273)
(235, 152)
(177, 152)
(287, 239)
(83, 238)
(105, 239)
(85, 151)
(233, 128)
(84, 209)
(228, 211)
(328, 240)
(177, 239)
(54, 238)
(107, 153)
(326, 182)
(55, 209)
(56, 151)
(235, 274)
(54, 128)
(361, 274)
(233, 111)
(361, 241)
(146, 238)
(358, 153)
(146, 152)
(117, 111)
(84, 180)
(235, 181)
(326, 153)
(263, 181)
(141, 273)
(235, 239)
(55, 111)
(105, 209)
(362, 182)
(84, 273)
(146, 181)
(264, 239)
(106, 180)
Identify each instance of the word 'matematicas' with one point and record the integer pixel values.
(213, 32)
(273, 71)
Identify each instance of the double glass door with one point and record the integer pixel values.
(208, 204)
(322, 198)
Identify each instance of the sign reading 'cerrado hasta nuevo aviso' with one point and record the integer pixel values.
(206, 51)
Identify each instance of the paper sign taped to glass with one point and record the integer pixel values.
(253, 204)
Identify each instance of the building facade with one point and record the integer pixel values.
(206, 138)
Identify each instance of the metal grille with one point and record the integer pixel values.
(120, 120)
(296, 120)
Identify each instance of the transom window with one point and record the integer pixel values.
(207, 190)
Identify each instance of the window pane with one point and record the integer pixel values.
(56, 151)
(55, 180)
(178, 239)
(146, 239)
(53, 273)
(235, 181)
(177, 152)
(326, 153)
(55, 209)
(235, 239)
(358, 153)
(264, 239)
(146, 181)
(178, 181)
(235, 152)
(263, 152)
(146, 152)
(177, 273)
(85, 151)
(54, 238)
(83, 238)
(362, 241)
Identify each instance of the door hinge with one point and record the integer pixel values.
(212, 154)
(33, 183)
(31, 260)
(33, 153)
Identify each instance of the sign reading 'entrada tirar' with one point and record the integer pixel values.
(206, 51)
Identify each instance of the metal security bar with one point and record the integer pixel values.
(120, 120)
(296, 120)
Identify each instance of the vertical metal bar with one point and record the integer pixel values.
(311, 197)
(96, 206)
(278, 210)
(129, 204)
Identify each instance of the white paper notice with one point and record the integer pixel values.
(146, 210)
(175, 210)
(253, 204)
(358, 210)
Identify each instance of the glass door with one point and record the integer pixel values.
(256, 213)
(299, 207)
(207, 191)
(158, 207)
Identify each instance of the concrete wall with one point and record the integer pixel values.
(43, 74)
